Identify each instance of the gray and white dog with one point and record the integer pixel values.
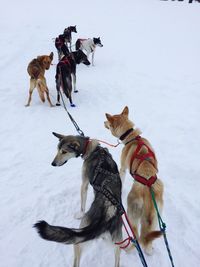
(100, 170)
(89, 45)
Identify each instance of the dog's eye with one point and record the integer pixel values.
(63, 151)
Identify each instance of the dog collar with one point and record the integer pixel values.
(85, 148)
(123, 136)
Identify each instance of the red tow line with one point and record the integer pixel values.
(129, 231)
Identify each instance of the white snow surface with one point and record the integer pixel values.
(150, 61)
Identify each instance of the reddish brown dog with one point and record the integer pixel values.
(36, 70)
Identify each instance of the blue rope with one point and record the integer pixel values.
(162, 226)
(122, 211)
(141, 255)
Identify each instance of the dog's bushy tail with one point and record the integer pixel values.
(78, 44)
(148, 238)
(69, 235)
(152, 235)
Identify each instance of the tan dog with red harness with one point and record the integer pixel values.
(138, 156)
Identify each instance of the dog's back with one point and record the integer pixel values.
(102, 172)
(38, 65)
(79, 42)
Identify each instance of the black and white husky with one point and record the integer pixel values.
(89, 45)
(100, 170)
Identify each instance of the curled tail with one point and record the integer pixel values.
(69, 235)
(78, 44)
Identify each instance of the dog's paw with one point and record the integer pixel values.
(149, 250)
(78, 215)
(51, 106)
(75, 91)
(27, 105)
(72, 105)
(57, 104)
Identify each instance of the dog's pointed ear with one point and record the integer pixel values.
(59, 136)
(51, 55)
(125, 111)
(108, 116)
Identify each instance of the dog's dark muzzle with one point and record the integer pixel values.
(86, 62)
(54, 164)
(57, 165)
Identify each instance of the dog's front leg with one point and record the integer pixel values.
(93, 58)
(77, 255)
(70, 46)
(78, 248)
(117, 256)
(84, 189)
(123, 168)
(122, 174)
(88, 54)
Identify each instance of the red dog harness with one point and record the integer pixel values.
(64, 61)
(146, 156)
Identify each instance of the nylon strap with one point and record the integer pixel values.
(145, 156)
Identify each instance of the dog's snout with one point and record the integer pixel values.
(86, 62)
(53, 164)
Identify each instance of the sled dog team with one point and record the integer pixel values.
(66, 67)
(99, 169)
